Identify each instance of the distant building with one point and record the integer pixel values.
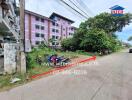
(117, 10)
(40, 29)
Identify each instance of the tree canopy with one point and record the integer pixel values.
(98, 33)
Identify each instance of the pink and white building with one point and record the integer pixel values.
(39, 29)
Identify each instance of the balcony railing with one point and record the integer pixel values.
(10, 24)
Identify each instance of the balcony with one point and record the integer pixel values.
(8, 23)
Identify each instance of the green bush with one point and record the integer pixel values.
(30, 61)
(36, 55)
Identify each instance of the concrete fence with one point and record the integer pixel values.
(10, 55)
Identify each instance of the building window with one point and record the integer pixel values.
(57, 43)
(37, 35)
(37, 26)
(57, 24)
(57, 37)
(72, 28)
(42, 20)
(37, 18)
(53, 37)
(37, 42)
(70, 33)
(53, 43)
(53, 30)
(42, 27)
(42, 35)
(57, 31)
(53, 23)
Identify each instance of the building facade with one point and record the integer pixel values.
(40, 29)
(9, 35)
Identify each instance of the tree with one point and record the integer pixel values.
(98, 33)
(109, 23)
(130, 38)
(95, 40)
(67, 44)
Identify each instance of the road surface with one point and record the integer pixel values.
(110, 78)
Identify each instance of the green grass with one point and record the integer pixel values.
(34, 68)
(6, 79)
(38, 70)
(31, 57)
(81, 52)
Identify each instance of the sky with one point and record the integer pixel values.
(93, 7)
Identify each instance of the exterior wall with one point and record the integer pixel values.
(61, 29)
(31, 30)
(9, 21)
(64, 27)
(10, 58)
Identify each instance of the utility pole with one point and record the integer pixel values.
(21, 54)
(22, 24)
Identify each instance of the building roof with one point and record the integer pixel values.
(38, 15)
(55, 14)
(117, 7)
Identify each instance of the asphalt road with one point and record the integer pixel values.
(110, 78)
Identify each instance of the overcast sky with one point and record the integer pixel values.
(94, 7)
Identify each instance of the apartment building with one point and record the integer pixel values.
(40, 29)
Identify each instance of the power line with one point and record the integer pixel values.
(73, 9)
(79, 8)
(83, 5)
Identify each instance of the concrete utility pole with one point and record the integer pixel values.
(21, 55)
(22, 24)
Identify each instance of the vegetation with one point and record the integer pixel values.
(97, 34)
(5, 81)
(34, 67)
(42, 53)
(130, 38)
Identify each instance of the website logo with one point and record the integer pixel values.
(117, 10)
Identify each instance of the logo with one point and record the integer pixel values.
(117, 10)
